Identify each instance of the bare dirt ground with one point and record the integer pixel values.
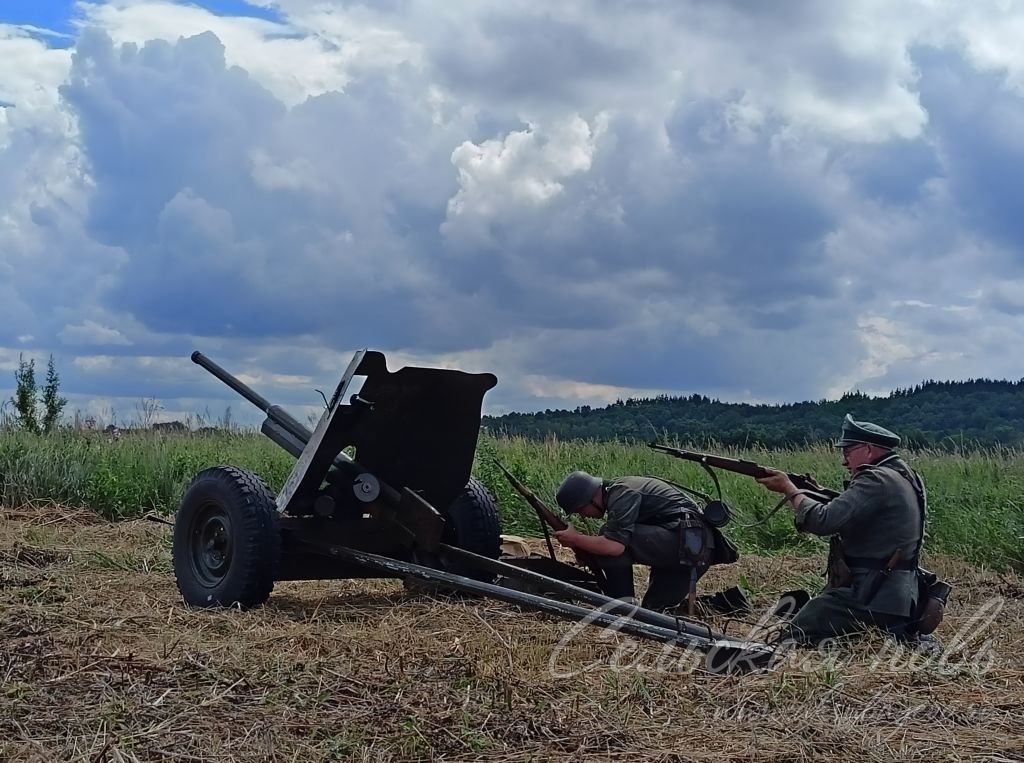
(100, 661)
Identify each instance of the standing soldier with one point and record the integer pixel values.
(879, 522)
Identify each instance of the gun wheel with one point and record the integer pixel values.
(471, 523)
(226, 542)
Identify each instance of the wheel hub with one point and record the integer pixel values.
(211, 546)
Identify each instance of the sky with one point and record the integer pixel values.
(761, 202)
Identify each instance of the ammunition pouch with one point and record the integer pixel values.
(725, 551)
(837, 571)
(694, 541)
(932, 595)
(701, 544)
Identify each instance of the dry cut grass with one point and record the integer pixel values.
(101, 662)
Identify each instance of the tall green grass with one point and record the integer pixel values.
(126, 477)
(976, 499)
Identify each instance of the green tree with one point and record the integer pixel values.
(26, 395)
(37, 410)
(53, 403)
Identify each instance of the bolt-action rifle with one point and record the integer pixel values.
(837, 571)
(803, 482)
(548, 518)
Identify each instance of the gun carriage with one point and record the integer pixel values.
(382, 487)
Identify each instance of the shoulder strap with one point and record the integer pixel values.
(894, 463)
(686, 491)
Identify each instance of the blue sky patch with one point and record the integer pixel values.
(58, 15)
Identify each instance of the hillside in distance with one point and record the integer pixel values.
(933, 414)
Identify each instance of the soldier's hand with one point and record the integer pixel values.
(568, 536)
(778, 482)
(812, 482)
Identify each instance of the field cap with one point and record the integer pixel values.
(855, 432)
(576, 491)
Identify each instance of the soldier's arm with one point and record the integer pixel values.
(594, 544)
(854, 505)
(621, 516)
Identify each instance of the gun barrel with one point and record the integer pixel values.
(275, 414)
(232, 381)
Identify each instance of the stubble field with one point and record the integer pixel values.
(102, 662)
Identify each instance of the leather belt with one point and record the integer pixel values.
(871, 563)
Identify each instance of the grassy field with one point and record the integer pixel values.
(975, 498)
(102, 662)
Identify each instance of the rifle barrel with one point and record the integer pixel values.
(748, 469)
(546, 515)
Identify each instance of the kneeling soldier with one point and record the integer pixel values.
(649, 522)
(879, 523)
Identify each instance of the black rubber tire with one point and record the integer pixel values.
(471, 523)
(226, 541)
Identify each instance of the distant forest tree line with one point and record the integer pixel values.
(934, 414)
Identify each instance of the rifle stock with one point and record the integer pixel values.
(555, 522)
(803, 482)
(549, 517)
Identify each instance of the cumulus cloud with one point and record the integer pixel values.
(757, 201)
(502, 180)
(290, 64)
(91, 332)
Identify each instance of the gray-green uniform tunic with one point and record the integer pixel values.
(633, 503)
(644, 515)
(879, 512)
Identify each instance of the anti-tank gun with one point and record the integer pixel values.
(414, 434)
(382, 488)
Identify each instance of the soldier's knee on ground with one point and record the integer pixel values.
(667, 588)
(824, 617)
(618, 582)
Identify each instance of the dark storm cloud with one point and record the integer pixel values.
(157, 119)
(241, 218)
(531, 58)
(893, 172)
(978, 124)
(728, 223)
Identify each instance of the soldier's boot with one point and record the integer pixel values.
(667, 588)
(790, 603)
(618, 581)
(731, 601)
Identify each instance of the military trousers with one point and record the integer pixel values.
(656, 547)
(837, 612)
